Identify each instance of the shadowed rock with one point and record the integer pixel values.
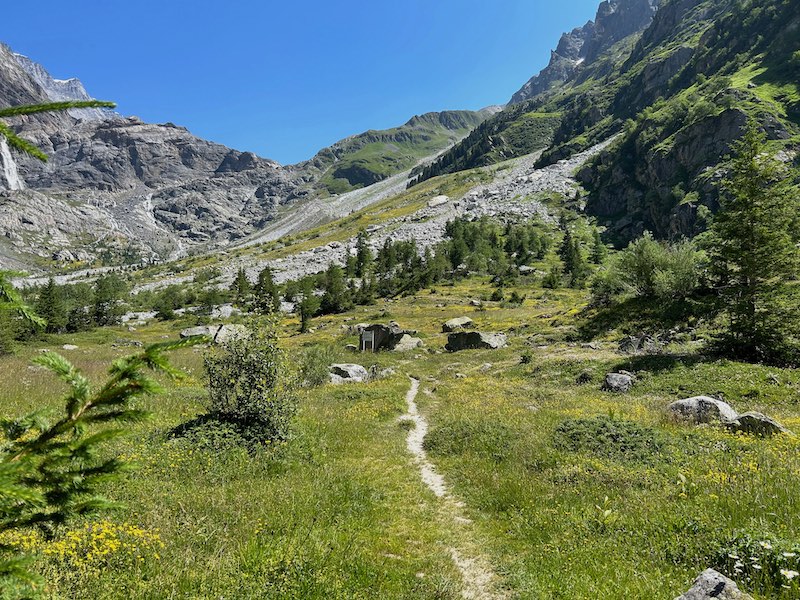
(475, 340)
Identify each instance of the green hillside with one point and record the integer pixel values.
(373, 156)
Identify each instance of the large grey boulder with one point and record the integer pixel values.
(458, 324)
(475, 340)
(702, 409)
(219, 334)
(618, 383)
(195, 331)
(757, 424)
(407, 343)
(711, 585)
(347, 373)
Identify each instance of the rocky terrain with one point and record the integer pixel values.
(615, 21)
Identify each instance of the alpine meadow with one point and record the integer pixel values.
(544, 349)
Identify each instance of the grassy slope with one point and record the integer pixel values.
(339, 512)
(375, 155)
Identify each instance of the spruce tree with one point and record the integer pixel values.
(363, 255)
(50, 306)
(267, 295)
(308, 305)
(336, 298)
(754, 255)
(240, 287)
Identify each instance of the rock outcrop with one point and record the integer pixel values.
(348, 373)
(619, 383)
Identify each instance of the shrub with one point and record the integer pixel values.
(605, 436)
(650, 269)
(315, 364)
(250, 387)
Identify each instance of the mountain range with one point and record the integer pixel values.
(675, 81)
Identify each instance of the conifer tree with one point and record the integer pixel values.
(363, 255)
(240, 287)
(599, 249)
(754, 255)
(267, 295)
(50, 306)
(308, 305)
(336, 298)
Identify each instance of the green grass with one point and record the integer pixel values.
(340, 512)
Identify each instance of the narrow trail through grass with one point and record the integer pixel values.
(479, 580)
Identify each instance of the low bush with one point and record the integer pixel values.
(250, 385)
(315, 364)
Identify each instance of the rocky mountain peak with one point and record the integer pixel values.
(615, 20)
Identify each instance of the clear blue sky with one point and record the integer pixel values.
(286, 78)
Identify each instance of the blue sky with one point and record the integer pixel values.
(284, 79)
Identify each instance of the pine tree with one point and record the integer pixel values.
(754, 256)
(336, 298)
(267, 295)
(240, 287)
(599, 249)
(308, 305)
(108, 291)
(363, 255)
(51, 307)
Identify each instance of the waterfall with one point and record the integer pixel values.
(13, 180)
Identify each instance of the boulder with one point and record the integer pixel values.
(407, 343)
(640, 344)
(756, 424)
(475, 340)
(618, 383)
(219, 334)
(711, 585)
(69, 347)
(438, 201)
(702, 409)
(195, 331)
(351, 348)
(458, 324)
(347, 373)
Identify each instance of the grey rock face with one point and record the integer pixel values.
(62, 90)
(618, 383)
(702, 409)
(757, 424)
(711, 585)
(458, 324)
(615, 20)
(122, 183)
(348, 373)
(219, 334)
(475, 340)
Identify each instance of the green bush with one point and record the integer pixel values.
(650, 269)
(250, 386)
(608, 437)
(315, 365)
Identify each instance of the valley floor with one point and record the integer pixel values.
(536, 505)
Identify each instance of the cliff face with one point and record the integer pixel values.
(119, 187)
(615, 21)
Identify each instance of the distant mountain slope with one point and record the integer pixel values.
(373, 156)
(681, 91)
(119, 189)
